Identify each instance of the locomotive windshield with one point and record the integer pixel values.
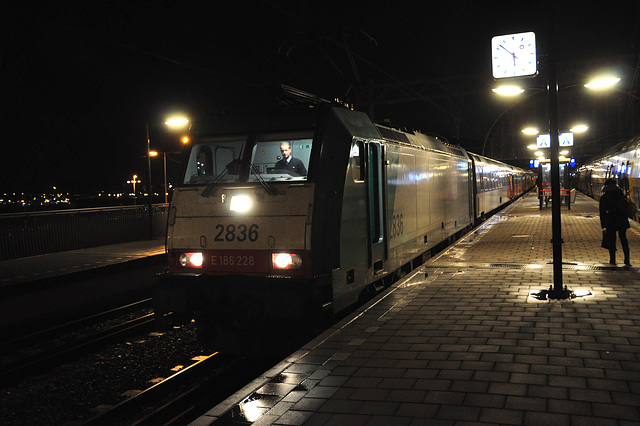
(271, 157)
(214, 160)
(281, 158)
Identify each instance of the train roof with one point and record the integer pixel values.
(624, 146)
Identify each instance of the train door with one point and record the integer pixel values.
(376, 206)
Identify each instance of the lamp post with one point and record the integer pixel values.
(172, 122)
(133, 182)
(150, 189)
(164, 157)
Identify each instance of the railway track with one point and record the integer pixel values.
(24, 360)
(181, 398)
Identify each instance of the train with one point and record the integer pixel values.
(620, 162)
(253, 240)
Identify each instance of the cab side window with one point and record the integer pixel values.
(357, 164)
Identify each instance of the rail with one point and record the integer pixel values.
(36, 233)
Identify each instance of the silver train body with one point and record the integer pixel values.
(247, 240)
(620, 162)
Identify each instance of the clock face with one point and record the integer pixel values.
(514, 55)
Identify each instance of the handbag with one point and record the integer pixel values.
(627, 207)
(605, 241)
(631, 208)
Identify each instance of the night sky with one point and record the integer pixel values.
(81, 80)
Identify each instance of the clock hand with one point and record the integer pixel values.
(507, 50)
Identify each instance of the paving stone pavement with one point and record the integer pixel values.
(461, 341)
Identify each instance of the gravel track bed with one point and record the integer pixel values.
(74, 392)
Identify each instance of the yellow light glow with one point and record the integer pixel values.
(282, 260)
(197, 259)
(240, 203)
(538, 153)
(153, 153)
(176, 121)
(602, 82)
(530, 131)
(565, 152)
(532, 146)
(579, 128)
(508, 90)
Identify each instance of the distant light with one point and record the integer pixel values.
(177, 121)
(538, 153)
(153, 153)
(565, 152)
(508, 90)
(530, 131)
(602, 83)
(185, 139)
(532, 146)
(579, 128)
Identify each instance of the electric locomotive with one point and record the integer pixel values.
(252, 239)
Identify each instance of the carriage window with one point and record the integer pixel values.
(356, 161)
(214, 161)
(278, 157)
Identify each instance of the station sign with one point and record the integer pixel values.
(564, 140)
(534, 164)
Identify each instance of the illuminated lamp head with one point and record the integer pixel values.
(240, 203)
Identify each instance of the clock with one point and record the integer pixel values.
(514, 55)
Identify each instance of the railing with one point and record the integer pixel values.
(31, 234)
(569, 195)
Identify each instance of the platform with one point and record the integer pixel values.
(461, 341)
(28, 269)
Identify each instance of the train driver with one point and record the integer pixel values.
(288, 163)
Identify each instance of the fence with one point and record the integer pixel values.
(31, 234)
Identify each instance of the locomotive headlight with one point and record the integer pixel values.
(240, 203)
(191, 260)
(286, 261)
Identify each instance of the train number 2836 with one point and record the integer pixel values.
(239, 233)
(397, 225)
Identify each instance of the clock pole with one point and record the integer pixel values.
(556, 226)
(508, 66)
(557, 292)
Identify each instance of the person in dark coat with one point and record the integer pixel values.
(613, 218)
(289, 164)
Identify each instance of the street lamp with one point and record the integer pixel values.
(579, 128)
(602, 82)
(164, 155)
(176, 121)
(133, 182)
(172, 122)
(508, 90)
